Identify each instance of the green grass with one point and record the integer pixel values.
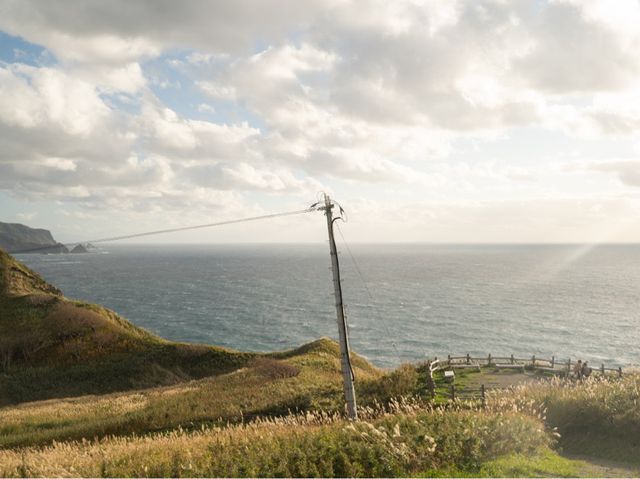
(545, 463)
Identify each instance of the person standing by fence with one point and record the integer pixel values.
(577, 369)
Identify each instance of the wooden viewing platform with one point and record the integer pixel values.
(550, 365)
(511, 362)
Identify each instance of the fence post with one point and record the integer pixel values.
(453, 392)
(619, 371)
(569, 367)
(431, 384)
(484, 402)
(512, 360)
(533, 360)
(553, 362)
(489, 360)
(449, 359)
(468, 358)
(602, 369)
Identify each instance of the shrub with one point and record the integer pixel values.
(587, 414)
(398, 383)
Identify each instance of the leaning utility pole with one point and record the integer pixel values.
(347, 370)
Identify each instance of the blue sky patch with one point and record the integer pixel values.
(174, 81)
(16, 50)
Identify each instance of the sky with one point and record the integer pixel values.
(429, 121)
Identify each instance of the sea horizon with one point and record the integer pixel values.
(405, 302)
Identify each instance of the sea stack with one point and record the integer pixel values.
(80, 248)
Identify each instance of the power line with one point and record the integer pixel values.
(171, 230)
(209, 225)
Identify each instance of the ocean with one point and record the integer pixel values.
(404, 302)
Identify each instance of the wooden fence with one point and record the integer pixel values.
(512, 362)
(551, 365)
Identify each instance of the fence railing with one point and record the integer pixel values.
(467, 361)
(480, 395)
(546, 364)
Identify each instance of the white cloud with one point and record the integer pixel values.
(582, 47)
(27, 216)
(233, 176)
(127, 78)
(627, 171)
(31, 97)
(543, 220)
(206, 108)
(120, 31)
(309, 94)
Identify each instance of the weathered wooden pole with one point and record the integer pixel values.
(347, 372)
(431, 384)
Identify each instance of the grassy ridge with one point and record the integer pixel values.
(306, 379)
(68, 348)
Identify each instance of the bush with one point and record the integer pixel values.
(587, 414)
(400, 382)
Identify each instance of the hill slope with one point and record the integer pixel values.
(70, 348)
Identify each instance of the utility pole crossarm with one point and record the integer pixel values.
(347, 371)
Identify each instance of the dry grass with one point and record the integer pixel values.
(403, 441)
(264, 387)
(598, 416)
(274, 369)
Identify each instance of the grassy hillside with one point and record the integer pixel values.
(407, 442)
(516, 435)
(124, 402)
(70, 348)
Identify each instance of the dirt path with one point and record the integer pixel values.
(496, 379)
(594, 467)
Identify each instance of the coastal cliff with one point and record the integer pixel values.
(18, 238)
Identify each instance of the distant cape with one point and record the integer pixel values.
(18, 238)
